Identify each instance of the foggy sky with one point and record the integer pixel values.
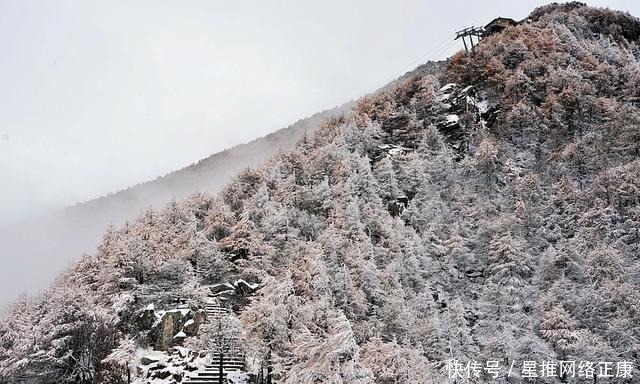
(98, 95)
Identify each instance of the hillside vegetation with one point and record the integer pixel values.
(489, 211)
(47, 245)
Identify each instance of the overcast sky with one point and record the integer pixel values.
(99, 95)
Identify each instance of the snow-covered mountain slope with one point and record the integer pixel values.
(488, 213)
(33, 252)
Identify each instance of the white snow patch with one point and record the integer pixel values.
(180, 335)
(153, 359)
(228, 291)
(452, 119)
(182, 351)
(150, 307)
(152, 353)
(483, 106)
(447, 87)
(444, 97)
(471, 100)
(396, 151)
(228, 285)
(238, 377)
(252, 286)
(183, 311)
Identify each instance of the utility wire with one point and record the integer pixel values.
(441, 48)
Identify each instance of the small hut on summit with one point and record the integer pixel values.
(497, 25)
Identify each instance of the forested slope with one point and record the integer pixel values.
(43, 246)
(487, 212)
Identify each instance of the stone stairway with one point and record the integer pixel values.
(231, 361)
(215, 312)
(211, 372)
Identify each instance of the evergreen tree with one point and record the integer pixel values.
(559, 329)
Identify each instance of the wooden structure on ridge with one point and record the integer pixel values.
(470, 33)
(496, 25)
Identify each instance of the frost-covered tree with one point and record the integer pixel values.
(122, 359)
(330, 356)
(461, 345)
(559, 329)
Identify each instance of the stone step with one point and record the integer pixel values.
(226, 368)
(213, 308)
(226, 356)
(211, 372)
(212, 375)
(216, 311)
(215, 317)
(214, 362)
(214, 366)
(215, 374)
(208, 377)
(216, 358)
(207, 310)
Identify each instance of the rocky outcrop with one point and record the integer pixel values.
(171, 367)
(236, 295)
(456, 102)
(146, 318)
(191, 326)
(166, 329)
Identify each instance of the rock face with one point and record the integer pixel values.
(458, 102)
(146, 318)
(191, 326)
(237, 294)
(178, 339)
(168, 322)
(166, 325)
